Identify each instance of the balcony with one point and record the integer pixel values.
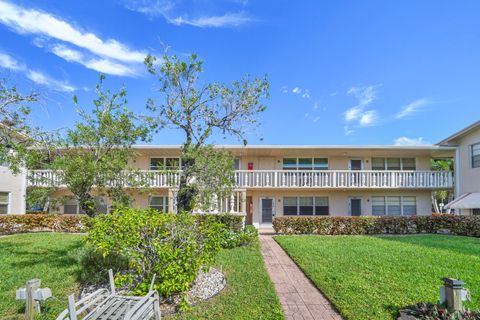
(328, 179)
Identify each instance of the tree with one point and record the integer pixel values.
(201, 111)
(441, 196)
(16, 134)
(95, 152)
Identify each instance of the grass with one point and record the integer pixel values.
(48, 256)
(374, 277)
(42, 255)
(249, 293)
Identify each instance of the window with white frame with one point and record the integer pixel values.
(394, 206)
(305, 206)
(164, 163)
(381, 163)
(475, 150)
(159, 203)
(4, 202)
(305, 164)
(70, 206)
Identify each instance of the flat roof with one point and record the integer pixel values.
(274, 146)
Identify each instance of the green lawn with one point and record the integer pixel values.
(373, 277)
(249, 294)
(48, 256)
(44, 256)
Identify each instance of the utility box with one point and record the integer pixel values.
(452, 294)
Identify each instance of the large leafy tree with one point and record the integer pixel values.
(202, 111)
(17, 134)
(94, 154)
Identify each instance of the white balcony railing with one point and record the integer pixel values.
(280, 179)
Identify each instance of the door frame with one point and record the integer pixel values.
(261, 208)
(350, 205)
(350, 163)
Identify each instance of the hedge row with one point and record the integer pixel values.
(21, 223)
(460, 225)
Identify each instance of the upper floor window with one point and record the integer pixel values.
(4, 202)
(164, 163)
(305, 164)
(475, 155)
(393, 164)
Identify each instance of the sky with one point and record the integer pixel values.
(341, 72)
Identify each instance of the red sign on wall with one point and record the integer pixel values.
(250, 166)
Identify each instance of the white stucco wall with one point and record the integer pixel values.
(15, 185)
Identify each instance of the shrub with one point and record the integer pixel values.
(245, 237)
(430, 311)
(232, 222)
(460, 225)
(172, 246)
(10, 224)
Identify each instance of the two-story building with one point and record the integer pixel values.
(296, 180)
(467, 169)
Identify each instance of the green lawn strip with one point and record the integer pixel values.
(42, 255)
(249, 293)
(373, 277)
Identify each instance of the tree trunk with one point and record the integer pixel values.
(87, 204)
(186, 193)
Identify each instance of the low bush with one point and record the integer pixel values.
(430, 311)
(244, 237)
(232, 222)
(172, 246)
(21, 223)
(460, 225)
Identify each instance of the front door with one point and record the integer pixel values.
(355, 207)
(267, 209)
(356, 164)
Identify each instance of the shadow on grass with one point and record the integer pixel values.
(456, 244)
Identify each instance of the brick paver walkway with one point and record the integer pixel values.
(300, 299)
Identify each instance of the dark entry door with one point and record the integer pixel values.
(355, 164)
(355, 207)
(267, 210)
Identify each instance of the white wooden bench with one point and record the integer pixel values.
(108, 305)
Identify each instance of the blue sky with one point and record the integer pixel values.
(341, 72)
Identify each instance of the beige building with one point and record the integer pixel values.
(297, 180)
(12, 191)
(467, 169)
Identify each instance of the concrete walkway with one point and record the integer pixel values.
(300, 299)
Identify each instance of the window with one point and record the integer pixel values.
(159, 203)
(4, 202)
(70, 206)
(476, 212)
(394, 206)
(305, 164)
(306, 206)
(393, 164)
(164, 163)
(290, 206)
(236, 164)
(378, 206)
(475, 155)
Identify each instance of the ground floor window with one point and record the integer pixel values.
(394, 206)
(476, 212)
(72, 206)
(159, 203)
(305, 206)
(4, 202)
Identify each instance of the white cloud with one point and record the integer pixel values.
(413, 107)
(44, 80)
(296, 90)
(226, 20)
(357, 114)
(36, 76)
(368, 118)
(8, 62)
(32, 21)
(284, 89)
(405, 141)
(167, 8)
(306, 94)
(102, 65)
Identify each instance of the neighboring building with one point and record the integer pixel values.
(13, 189)
(467, 169)
(298, 180)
